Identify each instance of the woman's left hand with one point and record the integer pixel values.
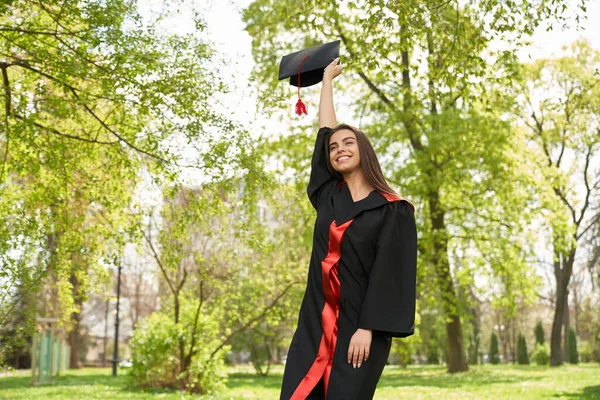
(359, 348)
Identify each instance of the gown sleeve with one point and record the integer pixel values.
(390, 299)
(320, 175)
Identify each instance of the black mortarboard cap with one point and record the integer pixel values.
(311, 70)
(305, 67)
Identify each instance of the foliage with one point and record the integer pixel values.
(539, 333)
(433, 355)
(573, 352)
(494, 351)
(433, 339)
(585, 352)
(557, 100)
(155, 350)
(261, 342)
(213, 249)
(541, 354)
(433, 113)
(405, 348)
(95, 96)
(522, 354)
(473, 350)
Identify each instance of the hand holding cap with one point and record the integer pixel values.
(306, 67)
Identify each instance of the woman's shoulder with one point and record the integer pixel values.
(398, 203)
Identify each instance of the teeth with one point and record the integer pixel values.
(342, 158)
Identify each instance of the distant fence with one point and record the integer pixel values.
(49, 352)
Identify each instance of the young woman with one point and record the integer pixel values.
(362, 275)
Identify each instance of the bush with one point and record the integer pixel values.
(541, 354)
(539, 333)
(585, 352)
(155, 353)
(261, 342)
(522, 355)
(573, 353)
(433, 355)
(494, 352)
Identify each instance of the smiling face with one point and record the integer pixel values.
(343, 151)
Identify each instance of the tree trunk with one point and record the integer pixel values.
(505, 339)
(456, 356)
(75, 343)
(566, 326)
(563, 268)
(105, 341)
(513, 347)
(75, 335)
(476, 325)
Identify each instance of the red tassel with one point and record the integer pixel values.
(301, 108)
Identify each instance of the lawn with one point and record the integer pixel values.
(417, 382)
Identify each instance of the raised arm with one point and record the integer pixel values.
(320, 174)
(326, 108)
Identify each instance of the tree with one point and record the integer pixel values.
(539, 333)
(230, 277)
(522, 354)
(432, 115)
(90, 104)
(559, 102)
(494, 351)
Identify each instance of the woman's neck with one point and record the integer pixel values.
(357, 184)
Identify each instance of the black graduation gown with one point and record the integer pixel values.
(362, 274)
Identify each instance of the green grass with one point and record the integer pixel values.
(415, 382)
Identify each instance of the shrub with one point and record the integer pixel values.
(585, 352)
(573, 353)
(494, 352)
(156, 359)
(522, 355)
(539, 333)
(541, 354)
(433, 355)
(154, 351)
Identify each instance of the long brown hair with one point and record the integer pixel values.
(368, 160)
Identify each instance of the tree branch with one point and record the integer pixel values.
(593, 222)
(561, 195)
(7, 102)
(57, 132)
(121, 138)
(45, 33)
(27, 289)
(586, 181)
(252, 321)
(158, 261)
(193, 341)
